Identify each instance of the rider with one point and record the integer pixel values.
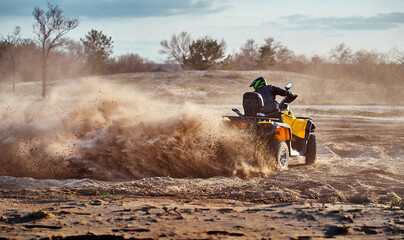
(268, 93)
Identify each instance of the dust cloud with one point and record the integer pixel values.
(100, 130)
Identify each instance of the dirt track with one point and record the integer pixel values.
(358, 164)
(359, 161)
(173, 156)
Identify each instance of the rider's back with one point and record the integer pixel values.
(268, 94)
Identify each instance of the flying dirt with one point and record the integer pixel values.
(103, 131)
(98, 130)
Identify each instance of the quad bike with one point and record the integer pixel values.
(285, 134)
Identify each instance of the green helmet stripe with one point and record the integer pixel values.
(256, 84)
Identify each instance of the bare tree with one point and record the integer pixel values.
(12, 41)
(50, 27)
(3, 62)
(367, 58)
(250, 50)
(75, 51)
(284, 55)
(317, 59)
(249, 56)
(341, 54)
(398, 54)
(131, 63)
(177, 48)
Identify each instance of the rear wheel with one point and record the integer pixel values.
(280, 151)
(311, 150)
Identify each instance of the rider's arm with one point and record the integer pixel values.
(282, 92)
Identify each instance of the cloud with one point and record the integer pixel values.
(380, 21)
(114, 8)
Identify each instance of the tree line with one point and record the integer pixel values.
(21, 59)
(372, 67)
(53, 56)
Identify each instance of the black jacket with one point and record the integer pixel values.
(268, 94)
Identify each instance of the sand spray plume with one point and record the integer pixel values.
(95, 129)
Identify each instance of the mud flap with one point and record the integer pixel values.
(300, 144)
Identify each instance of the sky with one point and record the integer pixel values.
(304, 26)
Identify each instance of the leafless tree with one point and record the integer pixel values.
(302, 59)
(3, 63)
(50, 27)
(75, 51)
(317, 59)
(341, 54)
(284, 55)
(249, 56)
(250, 50)
(12, 41)
(177, 48)
(398, 54)
(131, 63)
(367, 58)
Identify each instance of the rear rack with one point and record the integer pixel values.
(252, 118)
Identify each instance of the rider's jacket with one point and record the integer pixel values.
(268, 94)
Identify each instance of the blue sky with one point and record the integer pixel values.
(306, 27)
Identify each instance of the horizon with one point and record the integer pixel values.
(309, 28)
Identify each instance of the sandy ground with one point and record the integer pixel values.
(354, 190)
(152, 218)
(176, 190)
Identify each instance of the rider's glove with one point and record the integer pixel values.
(291, 95)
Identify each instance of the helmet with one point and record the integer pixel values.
(258, 83)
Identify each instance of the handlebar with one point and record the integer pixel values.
(287, 99)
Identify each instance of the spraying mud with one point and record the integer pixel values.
(104, 131)
(98, 131)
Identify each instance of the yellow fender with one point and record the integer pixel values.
(298, 126)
